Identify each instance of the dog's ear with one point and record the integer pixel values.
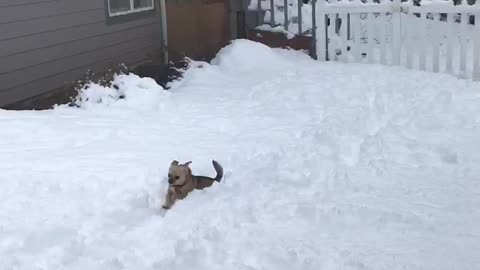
(174, 163)
(187, 163)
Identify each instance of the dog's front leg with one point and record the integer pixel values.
(170, 199)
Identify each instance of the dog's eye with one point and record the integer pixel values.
(177, 177)
(169, 176)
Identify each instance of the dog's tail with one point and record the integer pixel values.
(219, 170)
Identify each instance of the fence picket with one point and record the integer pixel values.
(396, 32)
(423, 44)
(450, 40)
(476, 47)
(343, 35)
(463, 42)
(383, 38)
(370, 36)
(314, 30)
(321, 30)
(408, 38)
(356, 50)
(436, 43)
(331, 37)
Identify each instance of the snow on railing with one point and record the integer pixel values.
(293, 15)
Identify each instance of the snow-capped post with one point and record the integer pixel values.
(285, 14)
(314, 30)
(300, 3)
(272, 13)
(321, 33)
(396, 32)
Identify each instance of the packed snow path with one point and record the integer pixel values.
(328, 166)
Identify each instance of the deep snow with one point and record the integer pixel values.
(328, 166)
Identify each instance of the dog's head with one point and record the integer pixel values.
(178, 174)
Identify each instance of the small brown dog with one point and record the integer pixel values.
(181, 181)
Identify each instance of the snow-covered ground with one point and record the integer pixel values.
(328, 166)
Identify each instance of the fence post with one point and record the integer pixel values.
(396, 32)
(285, 14)
(314, 30)
(300, 4)
(163, 31)
(272, 13)
(259, 12)
(321, 30)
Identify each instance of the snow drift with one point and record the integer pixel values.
(140, 93)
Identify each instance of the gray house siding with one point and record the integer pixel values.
(47, 43)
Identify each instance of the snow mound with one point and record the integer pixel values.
(126, 91)
(247, 56)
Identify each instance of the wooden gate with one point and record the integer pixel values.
(197, 28)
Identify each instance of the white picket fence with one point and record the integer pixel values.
(436, 36)
(396, 33)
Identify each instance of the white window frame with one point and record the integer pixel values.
(131, 10)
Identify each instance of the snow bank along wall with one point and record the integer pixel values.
(45, 46)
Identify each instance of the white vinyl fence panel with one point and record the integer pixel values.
(436, 36)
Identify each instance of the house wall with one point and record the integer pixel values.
(45, 44)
